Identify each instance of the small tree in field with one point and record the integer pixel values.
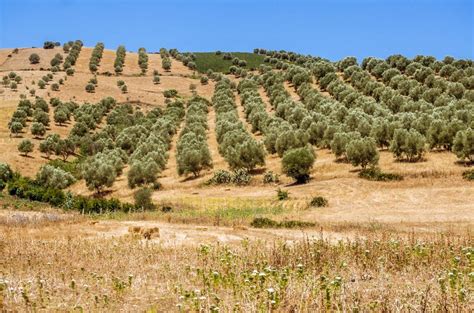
(16, 128)
(90, 88)
(34, 58)
(156, 79)
(41, 84)
(296, 163)
(25, 147)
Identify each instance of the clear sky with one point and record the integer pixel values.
(330, 28)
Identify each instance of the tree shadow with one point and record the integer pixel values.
(341, 161)
(464, 163)
(190, 178)
(297, 183)
(102, 193)
(257, 171)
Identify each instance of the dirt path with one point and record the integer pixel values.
(82, 62)
(291, 90)
(217, 160)
(241, 113)
(266, 100)
(131, 64)
(170, 175)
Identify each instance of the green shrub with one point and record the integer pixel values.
(468, 175)
(25, 147)
(241, 177)
(376, 174)
(170, 93)
(264, 222)
(220, 177)
(50, 176)
(2, 185)
(6, 173)
(282, 194)
(318, 202)
(143, 200)
(73, 167)
(270, 177)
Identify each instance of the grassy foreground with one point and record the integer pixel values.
(381, 272)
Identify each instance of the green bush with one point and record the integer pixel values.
(376, 174)
(2, 185)
(318, 202)
(143, 200)
(264, 222)
(282, 194)
(468, 175)
(270, 177)
(26, 188)
(6, 173)
(52, 177)
(241, 177)
(34, 58)
(170, 93)
(220, 177)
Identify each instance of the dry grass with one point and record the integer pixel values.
(71, 266)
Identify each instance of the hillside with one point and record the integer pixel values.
(333, 180)
(439, 174)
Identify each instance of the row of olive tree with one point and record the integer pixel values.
(119, 59)
(72, 56)
(192, 151)
(96, 56)
(236, 145)
(380, 113)
(143, 60)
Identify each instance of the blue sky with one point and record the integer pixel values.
(331, 29)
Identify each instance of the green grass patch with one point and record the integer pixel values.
(264, 222)
(209, 60)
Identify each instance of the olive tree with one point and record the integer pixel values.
(16, 127)
(463, 145)
(362, 152)
(410, 144)
(25, 147)
(34, 58)
(53, 177)
(99, 172)
(38, 129)
(166, 63)
(297, 163)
